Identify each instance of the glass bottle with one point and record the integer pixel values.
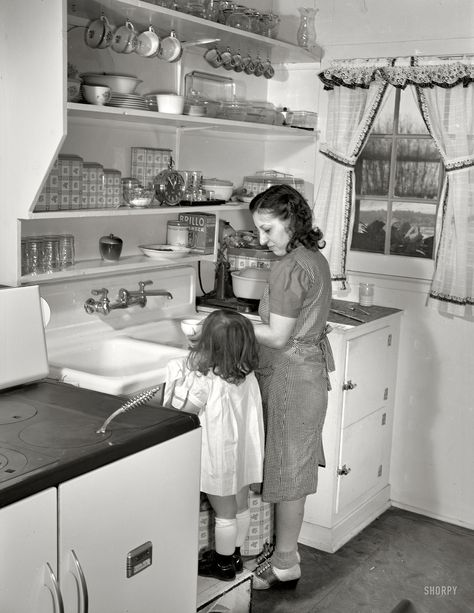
(306, 35)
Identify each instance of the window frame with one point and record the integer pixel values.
(387, 263)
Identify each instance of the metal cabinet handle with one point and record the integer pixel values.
(348, 385)
(75, 569)
(344, 470)
(51, 583)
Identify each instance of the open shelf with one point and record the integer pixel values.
(189, 28)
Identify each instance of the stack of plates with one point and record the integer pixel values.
(131, 101)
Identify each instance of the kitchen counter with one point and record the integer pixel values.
(351, 312)
(48, 434)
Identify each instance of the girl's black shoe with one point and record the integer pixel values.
(237, 560)
(212, 564)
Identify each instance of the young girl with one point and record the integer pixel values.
(216, 381)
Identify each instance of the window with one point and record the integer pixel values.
(398, 179)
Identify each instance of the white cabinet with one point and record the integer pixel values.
(28, 559)
(212, 144)
(126, 536)
(354, 486)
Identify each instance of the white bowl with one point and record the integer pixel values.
(170, 103)
(96, 94)
(250, 283)
(120, 84)
(164, 252)
(191, 327)
(222, 189)
(73, 90)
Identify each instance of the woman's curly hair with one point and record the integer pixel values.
(286, 203)
(227, 347)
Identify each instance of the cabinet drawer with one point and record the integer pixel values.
(364, 457)
(368, 374)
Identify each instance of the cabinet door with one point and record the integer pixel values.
(368, 371)
(28, 568)
(363, 460)
(128, 532)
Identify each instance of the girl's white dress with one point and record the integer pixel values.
(232, 426)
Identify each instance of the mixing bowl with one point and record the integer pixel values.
(250, 283)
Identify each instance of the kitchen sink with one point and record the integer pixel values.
(117, 365)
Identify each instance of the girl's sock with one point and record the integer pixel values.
(225, 534)
(285, 559)
(243, 525)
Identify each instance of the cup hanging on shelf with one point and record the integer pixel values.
(306, 34)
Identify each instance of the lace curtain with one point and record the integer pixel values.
(351, 114)
(445, 93)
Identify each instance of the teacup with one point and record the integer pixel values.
(213, 57)
(96, 94)
(249, 64)
(99, 33)
(125, 38)
(170, 48)
(148, 43)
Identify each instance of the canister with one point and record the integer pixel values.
(177, 233)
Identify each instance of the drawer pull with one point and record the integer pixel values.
(344, 470)
(348, 385)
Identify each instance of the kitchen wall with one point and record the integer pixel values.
(433, 454)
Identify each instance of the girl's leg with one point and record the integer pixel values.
(225, 508)
(242, 516)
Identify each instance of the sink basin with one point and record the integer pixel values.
(117, 366)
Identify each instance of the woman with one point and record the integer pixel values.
(293, 372)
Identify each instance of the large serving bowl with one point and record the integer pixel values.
(120, 84)
(250, 283)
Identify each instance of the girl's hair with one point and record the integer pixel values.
(227, 347)
(287, 204)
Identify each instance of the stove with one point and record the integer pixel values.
(210, 303)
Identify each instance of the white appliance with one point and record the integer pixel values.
(23, 355)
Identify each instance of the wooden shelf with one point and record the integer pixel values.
(189, 28)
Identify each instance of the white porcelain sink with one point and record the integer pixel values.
(118, 365)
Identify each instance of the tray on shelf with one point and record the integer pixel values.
(201, 202)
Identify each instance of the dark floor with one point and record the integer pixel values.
(400, 556)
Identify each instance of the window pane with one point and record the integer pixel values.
(369, 223)
(417, 169)
(384, 121)
(410, 118)
(413, 228)
(372, 172)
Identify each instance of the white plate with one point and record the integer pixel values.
(164, 252)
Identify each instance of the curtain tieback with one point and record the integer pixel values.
(458, 164)
(337, 157)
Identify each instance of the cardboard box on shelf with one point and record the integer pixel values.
(70, 168)
(148, 162)
(112, 185)
(202, 231)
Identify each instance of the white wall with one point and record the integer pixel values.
(433, 454)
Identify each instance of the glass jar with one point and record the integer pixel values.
(177, 233)
(269, 24)
(238, 19)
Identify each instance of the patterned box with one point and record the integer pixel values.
(112, 188)
(70, 181)
(202, 230)
(48, 199)
(92, 186)
(260, 531)
(148, 162)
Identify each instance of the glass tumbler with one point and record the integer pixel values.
(366, 294)
(50, 254)
(34, 255)
(66, 251)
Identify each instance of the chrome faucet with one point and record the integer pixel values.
(139, 297)
(102, 305)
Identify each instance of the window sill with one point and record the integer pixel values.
(390, 265)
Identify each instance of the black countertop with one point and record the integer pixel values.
(350, 312)
(48, 434)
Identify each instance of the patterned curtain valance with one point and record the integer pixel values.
(428, 75)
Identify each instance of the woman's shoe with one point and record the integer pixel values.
(264, 555)
(214, 565)
(267, 576)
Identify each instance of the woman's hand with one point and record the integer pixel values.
(276, 333)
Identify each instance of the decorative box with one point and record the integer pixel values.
(241, 257)
(48, 200)
(112, 188)
(70, 181)
(148, 162)
(92, 186)
(202, 231)
(260, 531)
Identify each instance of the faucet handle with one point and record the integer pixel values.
(102, 293)
(143, 284)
